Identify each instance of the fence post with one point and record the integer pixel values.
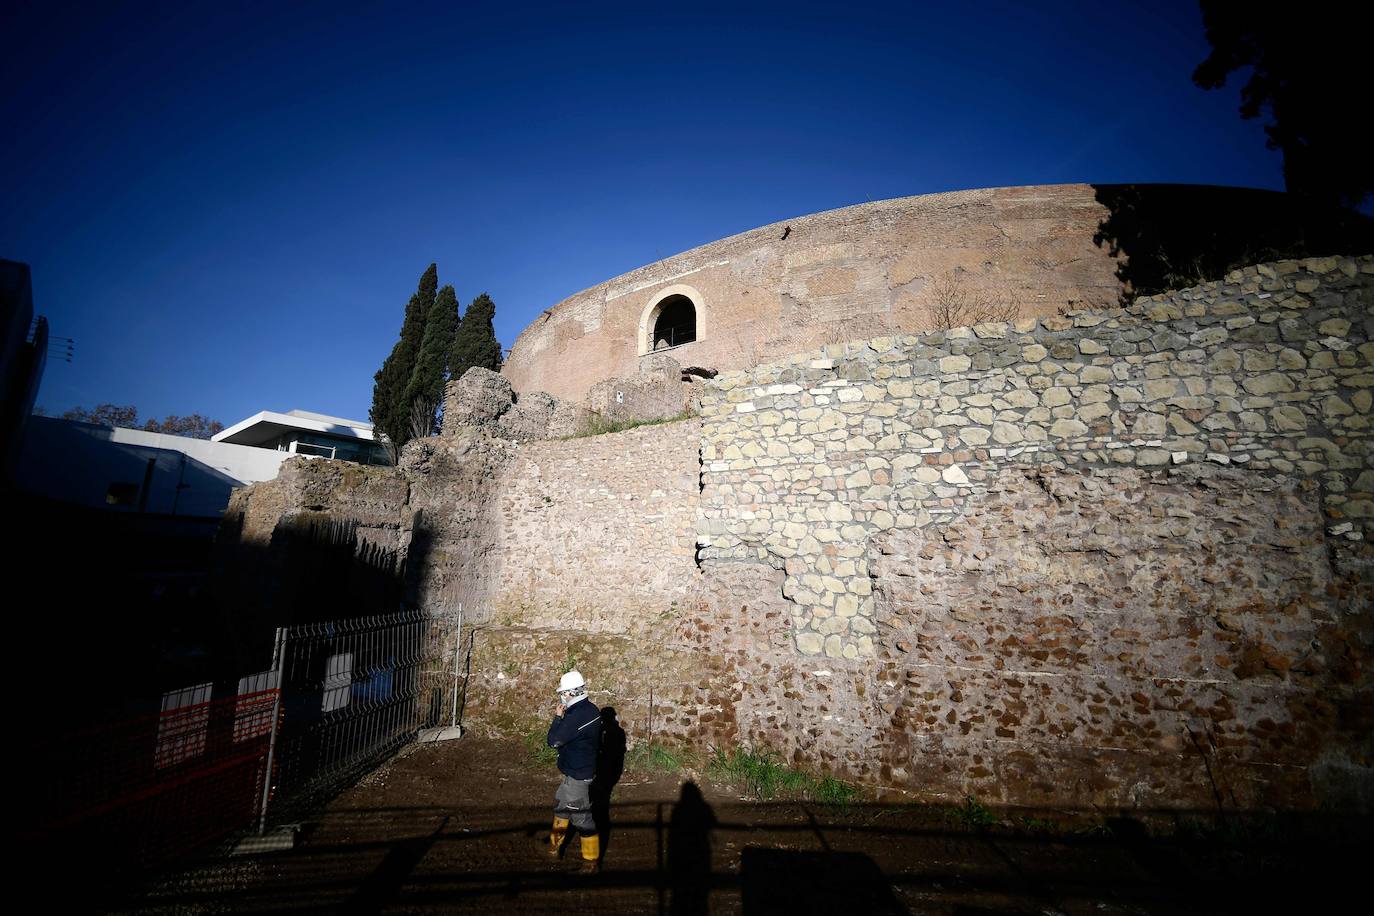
(278, 657)
(457, 662)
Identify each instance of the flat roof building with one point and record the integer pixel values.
(301, 432)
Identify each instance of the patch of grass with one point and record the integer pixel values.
(765, 776)
(832, 791)
(1037, 825)
(597, 425)
(973, 814)
(1093, 832)
(536, 741)
(654, 757)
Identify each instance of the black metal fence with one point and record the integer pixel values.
(352, 694)
(149, 788)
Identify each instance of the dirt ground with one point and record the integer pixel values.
(451, 827)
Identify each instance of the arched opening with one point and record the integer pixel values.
(675, 316)
(675, 323)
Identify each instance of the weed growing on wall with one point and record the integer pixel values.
(973, 814)
(597, 425)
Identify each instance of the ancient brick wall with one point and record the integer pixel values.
(880, 268)
(597, 533)
(840, 275)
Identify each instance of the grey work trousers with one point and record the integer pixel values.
(573, 800)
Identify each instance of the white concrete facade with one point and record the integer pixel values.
(132, 470)
(306, 433)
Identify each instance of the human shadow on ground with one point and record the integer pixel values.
(385, 884)
(794, 857)
(610, 766)
(689, 852)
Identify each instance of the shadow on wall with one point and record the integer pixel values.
(110, 610)
(82, 463)
(112, 613)
(1174, 236)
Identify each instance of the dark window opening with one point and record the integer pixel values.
(676, 323)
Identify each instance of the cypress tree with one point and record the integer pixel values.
(427, 381)
(476, 343)
(390, 412)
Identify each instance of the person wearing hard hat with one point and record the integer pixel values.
(576, 733)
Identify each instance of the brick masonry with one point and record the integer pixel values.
(839, 275)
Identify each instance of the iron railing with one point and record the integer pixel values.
(351, 696)
(339, 698)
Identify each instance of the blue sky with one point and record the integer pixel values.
(228, 205)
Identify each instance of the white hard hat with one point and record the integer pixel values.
(571, 681)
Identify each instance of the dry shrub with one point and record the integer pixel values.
(952, 303)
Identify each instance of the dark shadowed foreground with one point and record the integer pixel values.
(451, 827)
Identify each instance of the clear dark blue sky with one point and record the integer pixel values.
(228, 205)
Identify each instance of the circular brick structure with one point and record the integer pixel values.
(884, 267)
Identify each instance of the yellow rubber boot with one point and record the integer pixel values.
(556, 835)
(591, 852)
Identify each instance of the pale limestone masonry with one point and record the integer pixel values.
(806, 462)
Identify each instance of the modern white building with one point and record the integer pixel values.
(130, 470)
(300, 432)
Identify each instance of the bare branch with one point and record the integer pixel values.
(952, 303)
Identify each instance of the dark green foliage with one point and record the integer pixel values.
(390, 411)
(1309, 72)
(765, 775)
(426, 387)
(476, 343)
(1175, 236)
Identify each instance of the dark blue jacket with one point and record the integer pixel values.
(577, 735)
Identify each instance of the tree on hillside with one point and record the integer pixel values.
(122, 415)
(476, 343)
(125, 416)
(390, 412)
(426, 389)
(1308, 73)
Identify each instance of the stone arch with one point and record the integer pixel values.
(675, 297)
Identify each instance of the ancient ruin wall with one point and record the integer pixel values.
(807, 462)
(598, 532)
(834, 276)
(1116, 557)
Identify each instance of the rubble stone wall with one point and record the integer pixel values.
(1115, 558)
(813, 464)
